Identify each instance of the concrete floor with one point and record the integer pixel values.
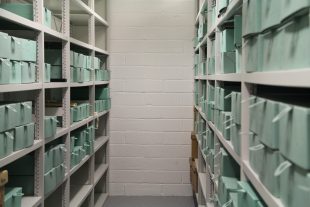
(149, 201)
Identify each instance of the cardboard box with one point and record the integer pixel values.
(194, 146)
(193, 175)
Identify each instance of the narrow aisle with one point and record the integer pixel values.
(149, 201)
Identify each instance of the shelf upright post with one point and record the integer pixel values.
(91, 41)
(107, 8)
(39, 105)
(91, 4)
(66, 98)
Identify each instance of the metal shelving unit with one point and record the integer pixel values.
(248, 83)
(95, 174)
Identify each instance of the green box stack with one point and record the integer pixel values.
(279, 137)
(101, 73)
(80, 111)
(50, 126)
(235, 193)
(54, 167)
(17, 60)
(82, 144)
(24, 136)
(16, 128)
(102, 97)
(275, 23)
(81, 67)
(231, 42)
(294, 183)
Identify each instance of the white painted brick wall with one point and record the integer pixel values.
(151, 89)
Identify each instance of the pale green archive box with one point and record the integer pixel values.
(256, 150)
(271, 160)
(235, 131)
(28, 70)
(87, 74)
(295, 143)
(237, 31)
(228, 166)
(294, 52)
(21, 9)
(6, 70)
(16, 48)
(292, 8)
(60, 173)
(49, 181)
(226, 185)
(47, 18)
(59, 153)
(294, 184)
(50, 126)
(25, 111)
(29, 50)
(6, 143)
(252, 54)
(13, 197)
(56, 72)
(228, 62)
(48, 160)
(102, 93)
(97, 63)
(5, 45)
(47, 73)
(247, 197)
(251, 12)
(270, 13)
(9, 112)
(269, 134)
(24, 136)
(272, 51)
(16, 72)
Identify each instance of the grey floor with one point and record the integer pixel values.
(147, 201)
